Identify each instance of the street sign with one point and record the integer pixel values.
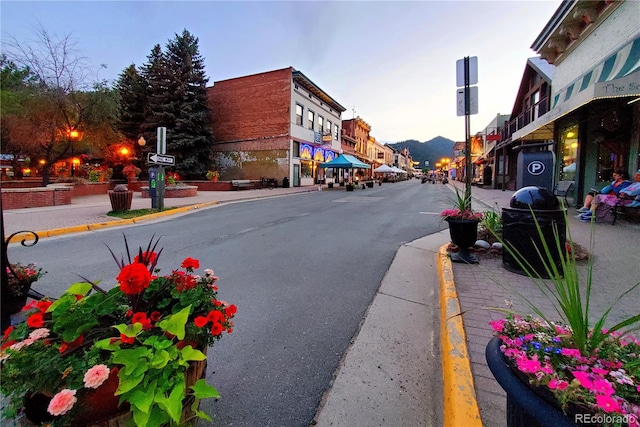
(473, 101)
(161, 159)
(473, 72)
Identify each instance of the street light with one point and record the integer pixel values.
(72, 134)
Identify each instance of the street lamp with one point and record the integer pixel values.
(72, 134)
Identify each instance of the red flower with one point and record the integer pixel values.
(76, 343)
(127, 340)
(184, 282)
(35, 320)
(7, 332)
(147, 258)
(8, 344)
(215, 316)
(29, 306)
(230, 311)
(155, 316)
(141, 317)
(216, 329)
(43, 306)
(190, 263)
(200, 321)
(134, 278)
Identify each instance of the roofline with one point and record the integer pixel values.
(303, 80)
(557, 18)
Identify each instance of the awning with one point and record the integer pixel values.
(617, 76)
(345, 161)
(383, 169)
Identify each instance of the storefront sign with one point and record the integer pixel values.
(306, 151)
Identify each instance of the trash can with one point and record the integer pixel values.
(285, 182)
(120, 198)
(519, 231)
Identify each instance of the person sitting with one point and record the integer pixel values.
(624, 196)
(619, 182)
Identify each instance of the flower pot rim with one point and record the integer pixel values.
(535, 406)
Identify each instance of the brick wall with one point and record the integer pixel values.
(255, 107)
(35, 197)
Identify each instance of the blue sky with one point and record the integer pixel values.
(393, 62)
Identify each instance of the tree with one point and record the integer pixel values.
(191, 139)
(61, 101)
(131, 87)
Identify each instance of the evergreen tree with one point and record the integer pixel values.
(132, 88)
(160, 108)
(191, 139)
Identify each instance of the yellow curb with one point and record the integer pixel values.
(27, 236)
(460, 404)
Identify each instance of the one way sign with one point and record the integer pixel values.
(161, 159)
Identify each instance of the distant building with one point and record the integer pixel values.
(275, 124)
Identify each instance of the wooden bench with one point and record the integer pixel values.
(241, 183)
(563, 188)
(629, 212)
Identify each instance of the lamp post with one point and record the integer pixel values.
(72, 134)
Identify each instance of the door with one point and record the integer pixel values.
(296, 175)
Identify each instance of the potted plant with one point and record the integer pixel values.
(136, 351)
(131, 171)
(571, 369)
(20, 279)
(213, 175)
(463, 227)
(350, 186)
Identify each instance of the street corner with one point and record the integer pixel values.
(459, 395)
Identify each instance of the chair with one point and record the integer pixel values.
(563, 188)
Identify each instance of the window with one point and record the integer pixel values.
(312, 118)
(320, 124)
(535, 99)
(329, 125)
(296, 149)
(569, 153)
(336, 132)
(299, 114)
(306, 168)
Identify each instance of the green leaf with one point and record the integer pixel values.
(130, 331)
(189, 354)
(159, 360)
(172, 404)
(143, 399)
(79, 289)
(202, 390)
(175, 323)
(106, 344)
(127, 382)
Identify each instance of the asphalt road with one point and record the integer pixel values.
(302, 270)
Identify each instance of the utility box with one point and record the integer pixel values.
(153, 186)
(535, 168)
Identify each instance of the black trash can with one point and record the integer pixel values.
(519, 230)
(285, 182)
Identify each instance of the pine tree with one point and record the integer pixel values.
(191, 139)
(132, 89)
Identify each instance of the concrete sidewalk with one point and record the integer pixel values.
(393, 374)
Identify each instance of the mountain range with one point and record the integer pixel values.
(431, 151)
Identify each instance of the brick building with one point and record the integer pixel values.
(274, 124)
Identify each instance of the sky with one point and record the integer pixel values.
(392, 63)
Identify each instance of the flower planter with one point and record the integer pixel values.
(464, 233)
(525, 408)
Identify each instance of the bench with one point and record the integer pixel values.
(563, 188)
(630, 212)
(241, 183)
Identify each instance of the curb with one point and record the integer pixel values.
(26, 236)
(459, 394)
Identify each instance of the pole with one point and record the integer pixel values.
(467, 133)
(161, 149)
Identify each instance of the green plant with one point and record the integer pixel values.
(21, 277)
(461, 209)
(150, 328)
(130, 170)
(577, 358)
(94, 175)
(172, 178)
(212, 173)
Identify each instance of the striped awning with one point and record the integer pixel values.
(616, 76)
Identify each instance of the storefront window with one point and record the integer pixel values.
(306, 169)
(569, 153)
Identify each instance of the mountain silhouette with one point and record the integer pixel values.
(431, 151)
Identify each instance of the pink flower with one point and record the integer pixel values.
(497, 325)
(570, 352)
(39, 333)
(558, 384)
(599, 371)
(607, 403)
(584, 379)
(62, 402)
(529, 365)
(95, 376)
(604, 387)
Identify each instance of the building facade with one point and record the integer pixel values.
(593, 120)
(278, 124)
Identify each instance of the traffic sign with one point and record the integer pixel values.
(161, 159)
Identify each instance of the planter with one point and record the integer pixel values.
(349, 187)
(525, 408)
(330, 185)
(370, 184)
(464, 233)
(99, 408)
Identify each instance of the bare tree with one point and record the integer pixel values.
(63, 102)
